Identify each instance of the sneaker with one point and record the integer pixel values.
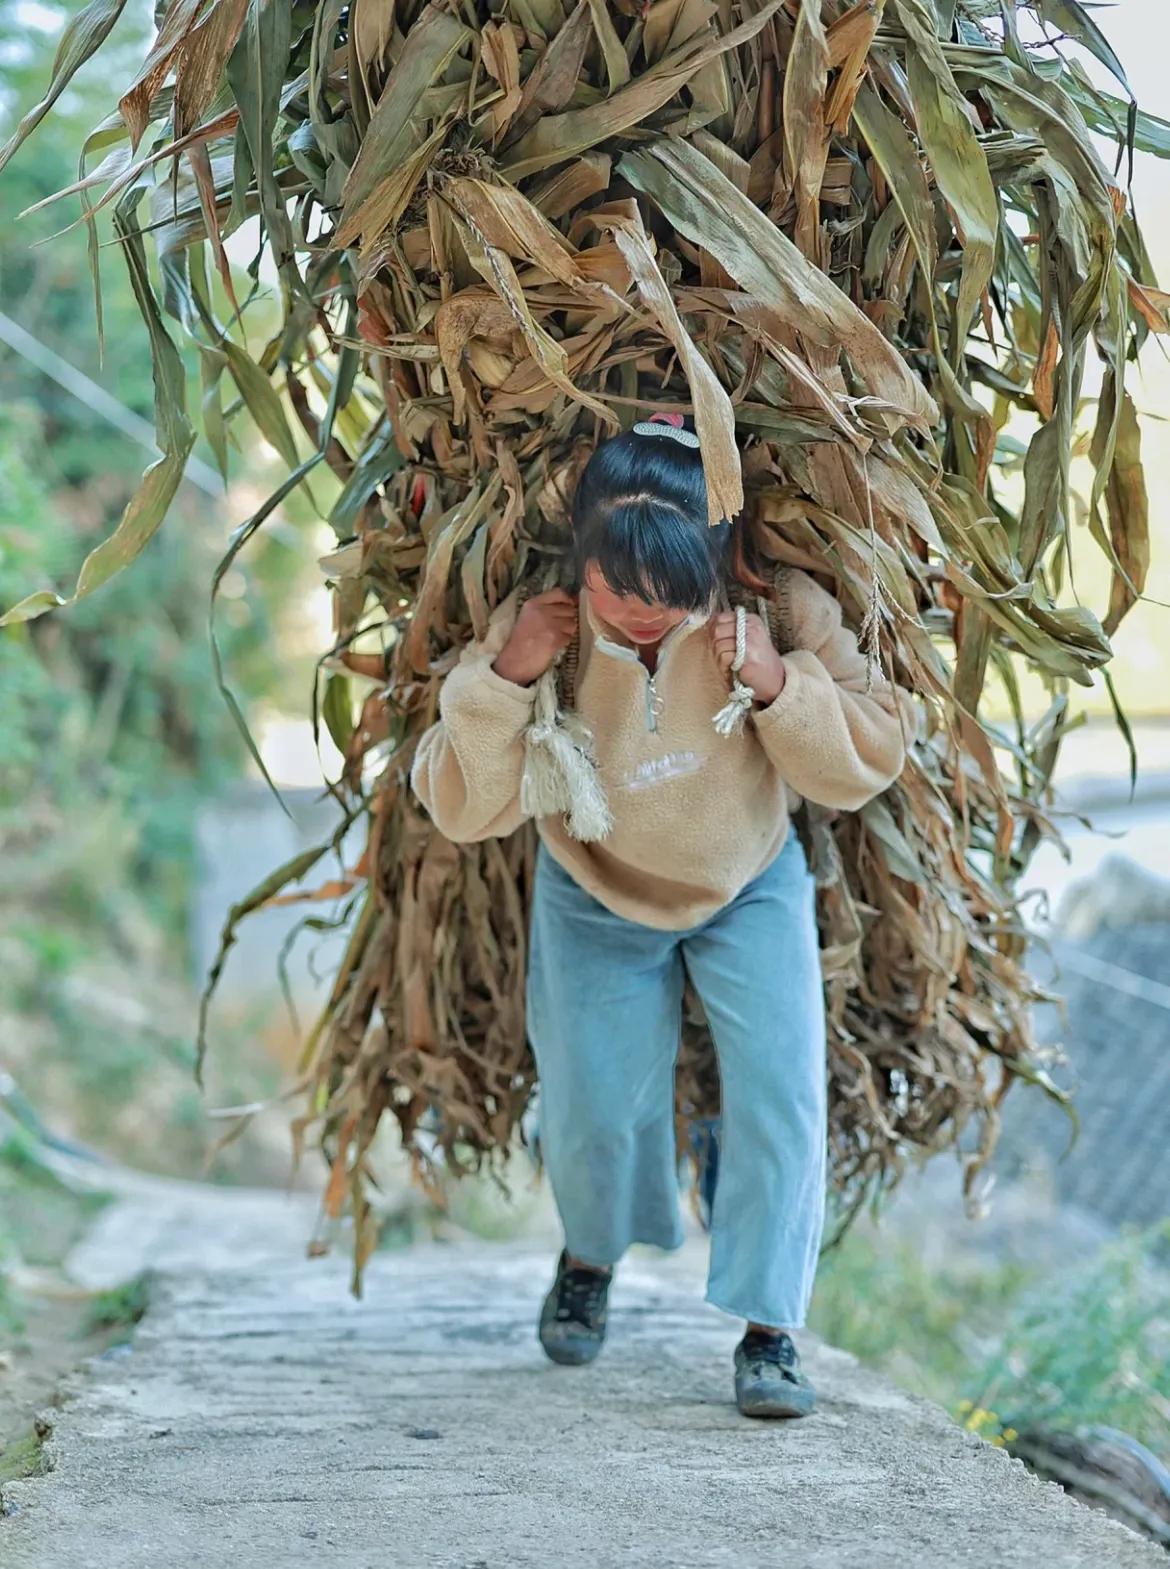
(768, 1380)
(572, 1320)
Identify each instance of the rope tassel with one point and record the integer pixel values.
(560, 769)
(730, 718)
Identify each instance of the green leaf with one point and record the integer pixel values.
(262, 400)
(148, 506)
(556, 137)
(1104, 113)
(397, 128)
(900, 855)
(83, 36)
(1126, 729)
(255, 71)
(238, 540)
(958, 161)
(379, 460)
(291, 871)
(1076, 22)
(337, 710)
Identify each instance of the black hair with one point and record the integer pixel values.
(640, 512)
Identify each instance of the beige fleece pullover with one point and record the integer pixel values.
(696, 815)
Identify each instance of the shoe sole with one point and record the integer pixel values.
(777, 1405)
(570, 1351)
(569, 1356)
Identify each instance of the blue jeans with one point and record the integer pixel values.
(604, 1002)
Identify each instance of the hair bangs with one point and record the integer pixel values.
(640, 514)
(650, 551)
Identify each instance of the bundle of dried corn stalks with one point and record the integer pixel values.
(870, 247)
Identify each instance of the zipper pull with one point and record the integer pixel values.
(654, 705)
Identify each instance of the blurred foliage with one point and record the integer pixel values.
(120, 1307)
(40, 1215)
(114, 729)
(1090, 1347)
(114, 708)
(114, 704)
(1009, 1345)
(47, 288)
(924, 1327)
(40, 1218)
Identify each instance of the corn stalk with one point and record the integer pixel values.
(870, 247)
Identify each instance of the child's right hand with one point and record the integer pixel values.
(546, 624)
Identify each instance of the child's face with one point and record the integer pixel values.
(640, 620)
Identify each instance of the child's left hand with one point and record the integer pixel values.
(763, 669)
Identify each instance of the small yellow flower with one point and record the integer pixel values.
(1009, 1433)
(966, 1405)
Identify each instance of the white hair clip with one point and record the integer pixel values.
(661, 428)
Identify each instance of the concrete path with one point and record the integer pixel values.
(267, 1420)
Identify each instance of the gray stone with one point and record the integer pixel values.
(267, 1419)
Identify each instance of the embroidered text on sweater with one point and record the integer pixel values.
(656, 770)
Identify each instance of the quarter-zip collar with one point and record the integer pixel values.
(606, 637)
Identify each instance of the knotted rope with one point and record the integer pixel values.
(730, 718)
(560, 765)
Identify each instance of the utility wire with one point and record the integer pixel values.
(96, 398)
(1130, 982)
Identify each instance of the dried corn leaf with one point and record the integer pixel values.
(804, 224)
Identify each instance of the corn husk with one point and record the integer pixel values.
(870, 248)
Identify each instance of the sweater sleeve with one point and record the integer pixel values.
(831, 740)
(467, 768)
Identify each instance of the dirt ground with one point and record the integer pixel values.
(33, 1363)
(47, 1326)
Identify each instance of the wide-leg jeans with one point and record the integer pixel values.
(604, 1004)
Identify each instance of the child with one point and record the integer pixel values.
(700, 868)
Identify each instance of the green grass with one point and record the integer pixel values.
(121, 1307)
(1008, 1346)
(21, 1458)
(12, 1320)
(924, 1328)
(1091, 1346)
(40, 1216)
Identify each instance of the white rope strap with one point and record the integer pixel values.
(729, 720)
(560, 767)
